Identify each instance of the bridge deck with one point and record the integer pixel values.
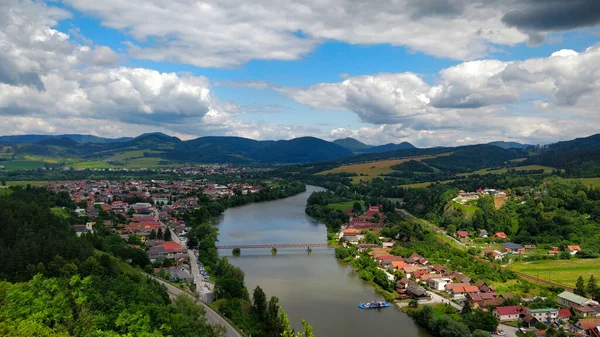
(278, 246)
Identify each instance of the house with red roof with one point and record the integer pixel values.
(462, 234)
(168, 249)
(499, 236)
(510, 313)
(574, 249)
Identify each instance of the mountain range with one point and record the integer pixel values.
(239, 150)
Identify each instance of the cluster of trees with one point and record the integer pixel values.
(590, 289)
(550, 211)
(367, 269)
(316, 207)
(446, 323)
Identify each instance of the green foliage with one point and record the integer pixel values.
(480, 320)
(97, 305)
(579, 286)
(236, 251)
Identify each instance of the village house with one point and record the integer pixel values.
(460, 290)
(529, 321)
(573, 249)
(510, 313)
(483, 301)
(568, 299)
(544, 314)
(584, 311)
(438, 284)
(416, 291)
(499, 236)
(167, 249)
(587, 324)
(564, 314)
(514, 248)
(364, 246)
(462, 235)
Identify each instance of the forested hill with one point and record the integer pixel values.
(579, 157)
(53, 283)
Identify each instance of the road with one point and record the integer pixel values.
(212, 316)
(439, 299)
(509, 330)
(202, 287)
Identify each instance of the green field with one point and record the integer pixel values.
(132, 154)
(59, 212)
(468, 209)
(22, 164)
(27, 182)
(590, 181)
(374, 169)
(5, 191)
(92, 165)
(561, 271)
(547, 169)
(344, 206)
(425, 184)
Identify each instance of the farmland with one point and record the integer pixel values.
(22, 164)
(425, 184)
(546, 169)
(369, 171)
(344, 206)
(560, 271)
(590, 181)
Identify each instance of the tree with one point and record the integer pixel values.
(3, 182)
(167, 235)
(580, 287)
(413, 303)
(592, 287)
(425, 315)
(480, 333)
(259, 304)
(152, 235)
(159, 235)
(467, 308)
(236, 251)
(356, 208)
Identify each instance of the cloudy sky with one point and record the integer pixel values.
(431, 72)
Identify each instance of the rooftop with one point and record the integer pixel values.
(569, 296)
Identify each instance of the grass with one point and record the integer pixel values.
(22, 164)
(590, 181)
(468, 208)
(374, 169)
(560, 271)
(5, 192)
(27, 182)
(132, 154)
(344, 206)
(59, 211)
(547, 169)
(92, 165)
(425, 184)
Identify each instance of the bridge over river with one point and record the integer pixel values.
(279, 246)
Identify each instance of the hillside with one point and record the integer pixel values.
(509, 145)
(351, 144)
(579, 157)
(389, 147)
(20, 139)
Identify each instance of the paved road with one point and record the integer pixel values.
(202, 287)
(212, 316)
(509, 330)
(439, 299)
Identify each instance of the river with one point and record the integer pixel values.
(316, 286)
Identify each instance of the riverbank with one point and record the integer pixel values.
(317, 287)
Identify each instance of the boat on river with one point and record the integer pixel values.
(374, 305)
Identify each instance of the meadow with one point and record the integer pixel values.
(590, 181)
(425, 184)
(560, 271)
(22, 164)
(344, 206)
(374, 169)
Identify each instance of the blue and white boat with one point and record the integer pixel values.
(374, 305)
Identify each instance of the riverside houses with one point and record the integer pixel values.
(510, 313)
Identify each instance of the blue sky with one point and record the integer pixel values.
(446, 72)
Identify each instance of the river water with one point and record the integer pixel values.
(316, 286)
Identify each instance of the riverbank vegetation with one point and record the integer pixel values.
(255, 316)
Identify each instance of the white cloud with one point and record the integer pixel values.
(537, 100)
(215, 33)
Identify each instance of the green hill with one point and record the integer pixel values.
(351, 144)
